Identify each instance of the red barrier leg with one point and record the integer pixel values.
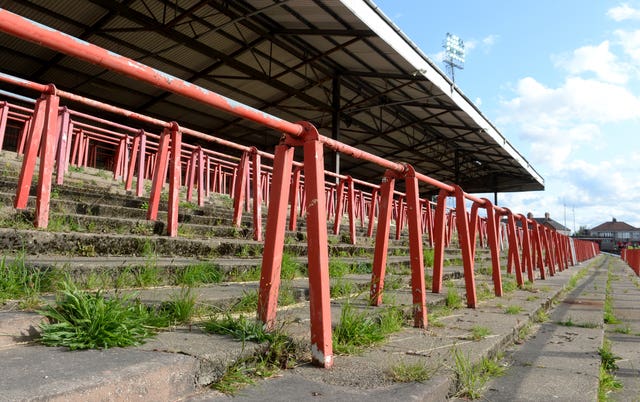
(351, 209)
(513, 247)
(159, 175)
(141, 164)
(494, 247)
(294, 198)
(135, 146)
(414, 216)
(274, 239)
(339, 207)
(400, 217)
(382, 238)
(439, 241)
(201, 183)
(462, 225)
(372, 212)
(47, 159)
(64, 137)
(4, 114)
(174, 180)
(32, 140)
(526, 247)
(240, 186)
(257, 195)
(318, 253)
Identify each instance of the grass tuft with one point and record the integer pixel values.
(80, 320)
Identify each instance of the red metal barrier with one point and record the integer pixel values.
(632, 257)
(297, 134)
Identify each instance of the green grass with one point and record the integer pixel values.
(541, 316)
(240, 328)
(180, 309)
(452, 299)
(281, 352)
(289, 268)
(513, 309)
(608, 366)
(358, 330)
(341, 288)
(18, 281)
(626, 329)
(479, 332)
(409, 372)
(80, 320)
(338, 269)
(569, 323)
(428, 257)
(197, 274)
(473, 378)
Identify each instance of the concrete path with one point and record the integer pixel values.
(625, 335)
(561, 361)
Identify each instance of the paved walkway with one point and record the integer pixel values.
(561, 361)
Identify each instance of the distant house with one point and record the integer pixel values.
(615, 234)
(551, 224)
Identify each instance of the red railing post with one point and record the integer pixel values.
(4, 114)
(274, 239)
(514, 252)
(537, 244)
(400, 217)
(174, 180)
(141, 163)
(159, 175)
(527, 263)
(201, 183)
(190, 174)
(43, 135)
(382, 238)
(240, 186)
(135, 146)
(372, 211)
(351, 209)
(339, 206)
(318, 253)
(439, 240)
(464, 239)
(494, 247)
(49, 144)
(32, 140)
(294, 198)
(257, 194)
(414, 216)
(66, 126)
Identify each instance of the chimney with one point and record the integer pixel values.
(530, 215)
(614, 220)
(547, 216)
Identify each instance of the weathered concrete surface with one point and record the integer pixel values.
(43, 373)
(625, 336)
(560, 361)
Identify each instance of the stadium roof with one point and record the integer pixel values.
(323, 61)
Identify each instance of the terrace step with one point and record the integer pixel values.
(178, 363)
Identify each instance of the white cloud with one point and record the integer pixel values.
(490, 40)
(598, 59)
(478, 101)
(623, 12)
(630, 42)
(577, 100)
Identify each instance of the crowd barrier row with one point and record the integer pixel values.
(632, 257)
(531, 246)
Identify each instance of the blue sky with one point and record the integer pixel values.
(560, 80)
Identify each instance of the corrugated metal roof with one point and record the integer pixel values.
(284, 57)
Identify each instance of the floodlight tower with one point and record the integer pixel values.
(453, 54)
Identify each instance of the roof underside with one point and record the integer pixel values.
(315, 60)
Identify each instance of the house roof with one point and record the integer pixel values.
(315, 60)
(550, 222)
(613, 226)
